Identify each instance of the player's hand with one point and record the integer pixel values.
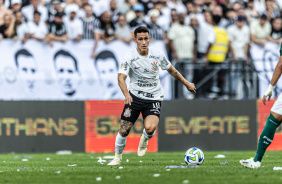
(268, 94)
(191, 87)
(264, 99)
(128, 99)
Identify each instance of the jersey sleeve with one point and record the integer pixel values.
(124, 66)
(164, 62)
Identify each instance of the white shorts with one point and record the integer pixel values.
(277, 106)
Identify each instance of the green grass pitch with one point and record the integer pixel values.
(43, 168)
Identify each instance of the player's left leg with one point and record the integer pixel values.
(150, 124)
(266, 137)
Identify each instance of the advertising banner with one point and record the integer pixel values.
(263, 113)
(66, 71)
(209, 125)
(102, 125)
(41, 126)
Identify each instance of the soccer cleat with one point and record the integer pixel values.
(115, 161)
(142, 148)
(250, 163)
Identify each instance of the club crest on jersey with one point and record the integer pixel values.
(127, 112)
(154, 66)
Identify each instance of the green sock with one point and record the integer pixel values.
(266, 136)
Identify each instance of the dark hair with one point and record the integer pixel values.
(86, 4)
(141, 29)
(21, 52)
(216, 19)
(104, 55)
(36, 12)
(67, 54)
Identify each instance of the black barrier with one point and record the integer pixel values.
(40, 126)
(209, 125)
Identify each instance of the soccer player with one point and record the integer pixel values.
(145, 91)
(273, 121)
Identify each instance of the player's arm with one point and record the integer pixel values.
(123, 87)
(275, 77)
(190, 86)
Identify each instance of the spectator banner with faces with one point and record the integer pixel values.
(66, 71)
(265, 59)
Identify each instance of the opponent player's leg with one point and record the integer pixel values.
(120, 142)
(266, 137)
(150, 124)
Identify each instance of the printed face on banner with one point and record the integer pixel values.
(67, 73)
(107, 72)
(27, 71)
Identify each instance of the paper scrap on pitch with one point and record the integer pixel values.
(277, 168)
(101, 160)
(72, 165)
(48, 158)
(127, 160)
(98, 179)
(57, 172)
(25, 160)
(120, 167)
(64, 152)
(167, 169)
(219, 156)
(117, 177)
(156, 175)
(186, 181)
(181, 166)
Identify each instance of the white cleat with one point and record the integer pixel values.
(250, 163)
(142, 148)
(115, 161)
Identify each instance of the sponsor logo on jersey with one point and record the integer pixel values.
(145, 94)
(154, 57)
(125, 66)
(146, 70)
(134, 59)
(154, 66)
(166, 61)
(121, 66)
(127, 112)
(136, 67)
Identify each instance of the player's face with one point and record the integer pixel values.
(68, 77)
(27, 71)
(142, 40)
(107, 73)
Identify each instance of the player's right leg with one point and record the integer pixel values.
(121, 141)
(129, 115)
(266, 137)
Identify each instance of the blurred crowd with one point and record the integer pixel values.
(193, 30)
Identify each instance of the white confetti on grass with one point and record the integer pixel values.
(167, 169)
(186, 181)
(140, 161)
(127, 160)
(4, 161)
(57, 172)
(18, 170)
(41, 169)
(98, 179)
(219, 156)
(156, 175)
(72, 165)
(117, 177)
(48, 158)
(277, 168)
(64, 152)
(25, 160)
(120, 167)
